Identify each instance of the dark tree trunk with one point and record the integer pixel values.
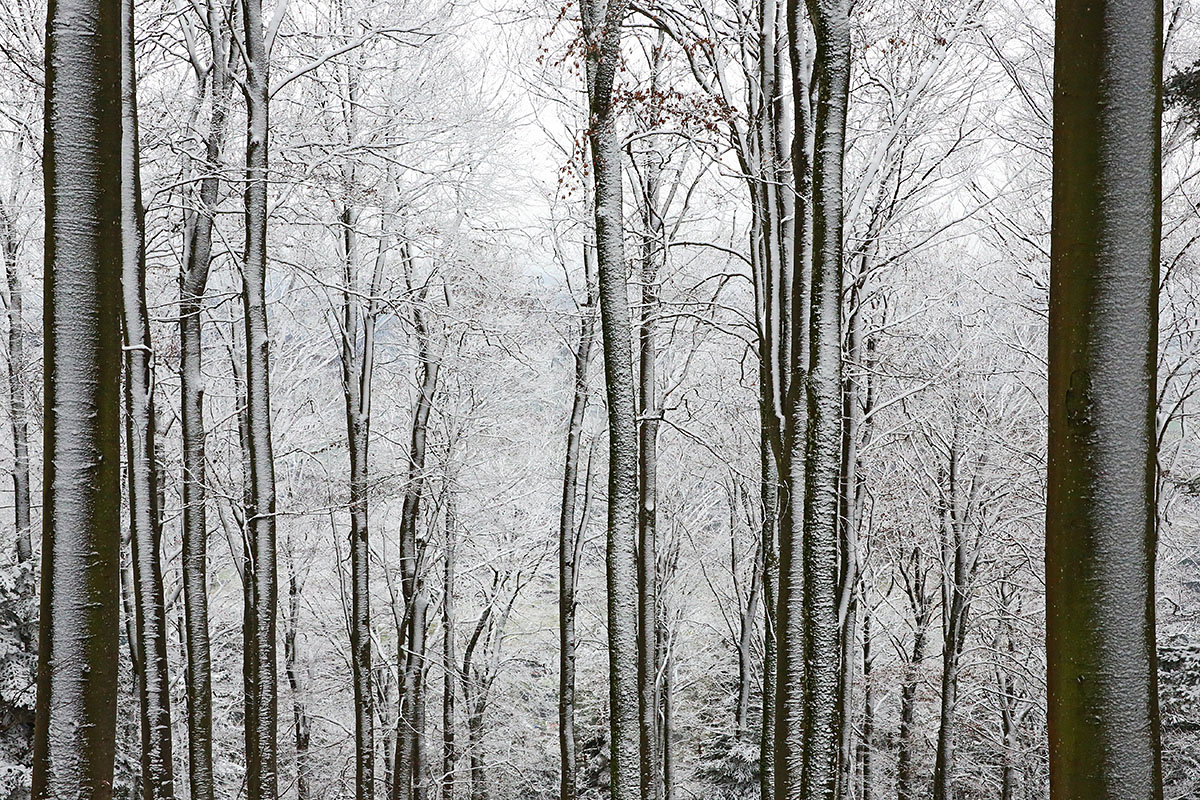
(1102, 698)
(262, 747)
(291, 656)
(602, 24)
(145, 519)
(906, 778)
(409, 763)
(449, 657)
(18, 415)
(75, 729)
(865, 746)
(649, 415)
(570, 537)
(795, 305)
(192, 285)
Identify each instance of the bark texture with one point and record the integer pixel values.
(823, 385)
(1104, 275)
(602, 22)
(262, 757)
(75, 727)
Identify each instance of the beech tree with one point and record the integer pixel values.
(1102, 699)
(75, 730)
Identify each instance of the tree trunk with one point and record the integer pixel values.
(358, 361)
(75, 730)
(17, 364)
(823, 443)
(1102, 698)
(649, 415)
(795, 305)
(602, 24)
(261, 748)
(906, 779)
(865, 746)
(569, 538)
(291, 657)
(145, 519)
(192, 285)
(408, 769)
(449, 658)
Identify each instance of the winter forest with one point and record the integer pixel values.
(600, 399)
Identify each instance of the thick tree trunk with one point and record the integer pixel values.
(823, 384)
(17, 364)
(569, 538)
(790, 680)
(75, 730)
(145, 519)
(602, 23)
(1102, 699)
(261, 747)
(192, 285)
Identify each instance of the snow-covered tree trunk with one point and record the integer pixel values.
(602, 23)
(823, 387)
(145, 516)
(75, 728)
(192, 285)
(570, 525)
(262, 747)
(1102, 700)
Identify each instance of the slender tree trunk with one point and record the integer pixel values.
(569, 536)
(475, 734)
(906, 778)
(358, 361)
(449, 657)
(262, 748)
(865, 746)
(18, 415)
(75, 729)
(1102, 685)
(822, 469)
(770, 568)
(291, 656)
(145, 519)
(649, 415)
(192, 285)
(602, 23)
(408, 761)
(668, 721)
(745, 645)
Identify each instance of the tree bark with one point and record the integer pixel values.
(75, 728)
(261, 748)
(822, 456)
(145, 518)
(602, 23)
(569, 538)
(192, 285)
(1104, 275)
